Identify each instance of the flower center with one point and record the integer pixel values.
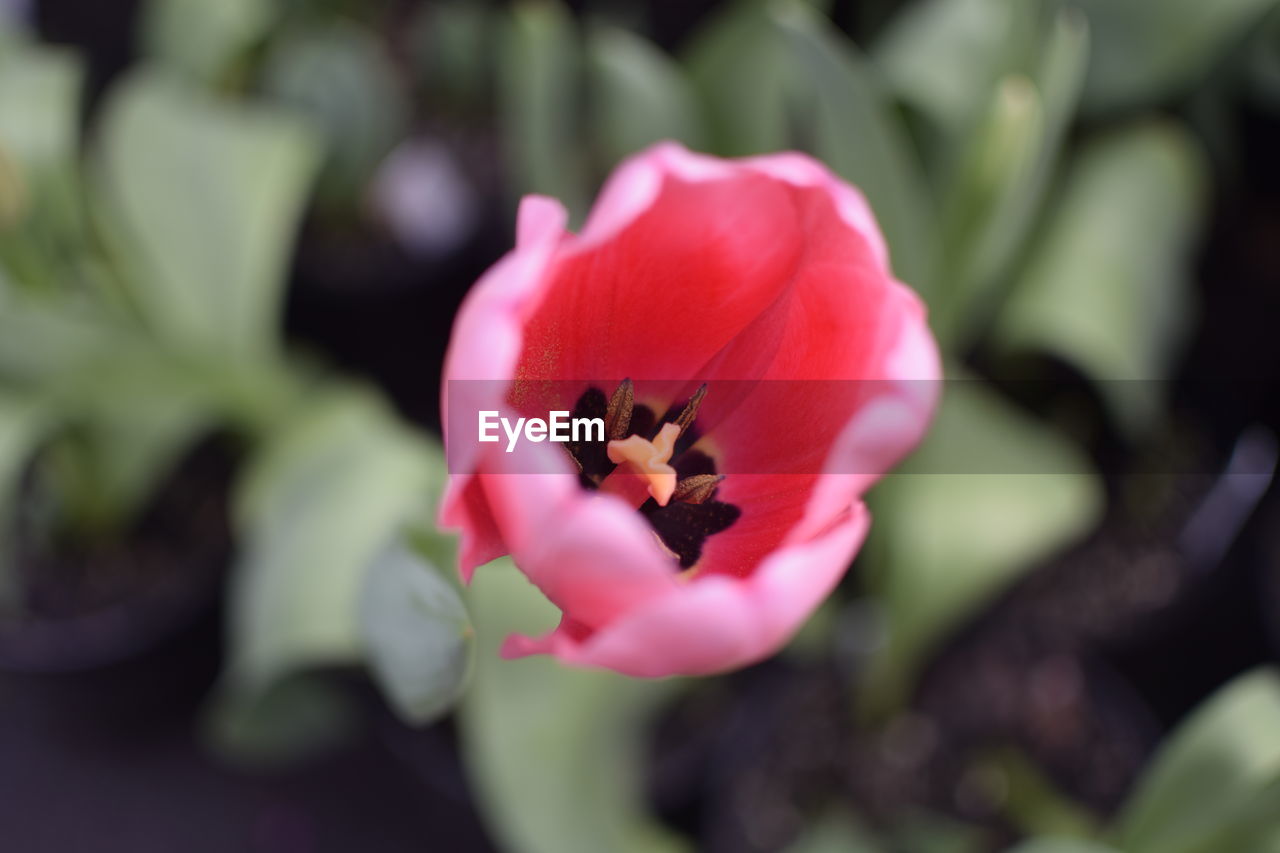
(681, 482)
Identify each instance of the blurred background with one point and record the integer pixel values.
(233, 236)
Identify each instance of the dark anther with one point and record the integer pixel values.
(691, 408)
(617, 421)
(697, 489)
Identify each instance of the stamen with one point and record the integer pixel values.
(617, 421)
(690, 410)
(697, 489)
(649, 460)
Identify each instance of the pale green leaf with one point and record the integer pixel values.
(318, 504)
(554, 753)
(1106, 287)
(989, 494)
(737, 66)
(1204, 784)
(1146, 51)
(538, 75)
(997, 187)
(639, 95)
(417, 635)
(342, 78)
(1061, 845)
(835, 832)
(203, 199)
(21, 424)
(40, 106)
(857, 135)
(204, 38)
(944, 57)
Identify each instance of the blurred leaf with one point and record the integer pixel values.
(21, 423)
(737, 64)
(39, 149)
(202, 199)
(857, 135)
(450, 43)
(988, 495)
(928, 832)
(639, 95)
(1031, 801)
(998, 162)
(40, 106)
(1146, 51)
(1204, 785)
(320, 502)
(340, 75)
(998, 187)
(554, 753)
(137, 413)
(38, 341)
(204, 37)
(538, 76)
(944, 57)
(294, 718)
(835, 832)
(1061, 845)
(417, 635)
(1106, 287)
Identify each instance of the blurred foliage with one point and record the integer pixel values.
(990, 493)
(141, 315)
(554, 753)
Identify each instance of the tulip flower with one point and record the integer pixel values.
(736, 327)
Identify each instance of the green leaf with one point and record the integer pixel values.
(202, 199)
(554, 753)
(1106, 287)
(295, 718)
(639, 95)
(136, 413)
(40, 91)
(538, 76)
(204, 38)
(341, 77)
(1204, 784)
(40, 106)
(999, 183)
(22, 421)
(989, 494)
(327, 495)
(859, 138)
(835, 832)
(944, 57)
(417, 635)
(1061, 845)
(737, 66)
(1146, 51)
(449, 46)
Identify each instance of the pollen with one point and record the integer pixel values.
(649, 459)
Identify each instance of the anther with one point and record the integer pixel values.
(690, 410)
(617, 419)
(697, 489)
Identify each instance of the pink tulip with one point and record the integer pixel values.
(701, 545)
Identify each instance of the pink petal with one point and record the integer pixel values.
(714, 623)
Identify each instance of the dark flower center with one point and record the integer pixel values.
(692, 514)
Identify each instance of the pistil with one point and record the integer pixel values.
(649, 460)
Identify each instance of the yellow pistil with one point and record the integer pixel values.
(649, 460)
